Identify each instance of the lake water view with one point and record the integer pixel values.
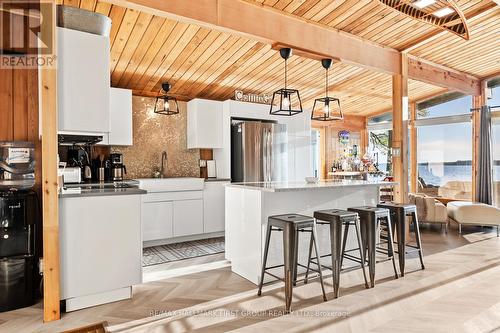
(439, 174)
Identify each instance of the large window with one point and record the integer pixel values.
(444, 156)
(444, 150)
(379, 149)
(454, 107)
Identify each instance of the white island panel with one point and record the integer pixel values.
(248, 207)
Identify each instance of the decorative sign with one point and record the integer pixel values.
(344, 137)
(18, 155)
(252, 98)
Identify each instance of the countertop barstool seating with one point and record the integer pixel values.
(399, 212)
(371, 219)
(337, 218)
(290, 225)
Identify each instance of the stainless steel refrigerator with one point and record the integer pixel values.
(259, 151)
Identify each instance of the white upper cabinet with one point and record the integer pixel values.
(120, 114)
(83, 81)
(204, 124)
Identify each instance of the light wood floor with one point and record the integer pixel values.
(459, 291)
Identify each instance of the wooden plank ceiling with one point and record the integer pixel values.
(147, 50)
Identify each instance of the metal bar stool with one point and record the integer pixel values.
(371, 220)
(335, 218)
(291, 225)
(399, 212)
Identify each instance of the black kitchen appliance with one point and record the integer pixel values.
(18, 259)
(118, 170)
(19, 216)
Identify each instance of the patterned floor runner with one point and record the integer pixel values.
(161, 254)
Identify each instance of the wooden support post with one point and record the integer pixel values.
(400, 131)
(413, 149)
(363, 142)
(477, 102)
(51, 300)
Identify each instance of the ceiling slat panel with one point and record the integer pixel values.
(198, 44)
(179, 45)
(116, 14)
(213, 63)
(158, 54)
(153, 31)
(146, 51)
(123, 34)
(142, 24)
(235, 52)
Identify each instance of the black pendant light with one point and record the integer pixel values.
(326, 108)
(286, 102)
(166, 105)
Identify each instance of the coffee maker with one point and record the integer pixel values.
(117, 167)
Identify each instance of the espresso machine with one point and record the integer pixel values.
(118, 169)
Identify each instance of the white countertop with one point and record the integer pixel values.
(171, 184)
(345, 173)
(303, 186)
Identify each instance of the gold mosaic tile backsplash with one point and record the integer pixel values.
(153, 134)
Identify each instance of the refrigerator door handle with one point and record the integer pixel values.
(265, 154)
(270, 154)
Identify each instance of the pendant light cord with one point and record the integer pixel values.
(326, 85)
(286, 73)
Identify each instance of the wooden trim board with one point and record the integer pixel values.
(50, 201)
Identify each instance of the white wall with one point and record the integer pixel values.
(298, 131)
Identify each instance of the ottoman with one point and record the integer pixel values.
(473, 213)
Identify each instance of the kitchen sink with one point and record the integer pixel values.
(171, 184)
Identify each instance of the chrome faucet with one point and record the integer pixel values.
(163, 164)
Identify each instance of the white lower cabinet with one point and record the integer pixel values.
(101, 247)
(188, 217)
(180, 209)
(157, 220)
(171, 214)
(213, 206)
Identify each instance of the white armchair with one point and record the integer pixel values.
(429, 209)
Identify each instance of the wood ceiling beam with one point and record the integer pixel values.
(271, 26)
(425, 71)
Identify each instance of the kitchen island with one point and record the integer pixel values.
(248, 205)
